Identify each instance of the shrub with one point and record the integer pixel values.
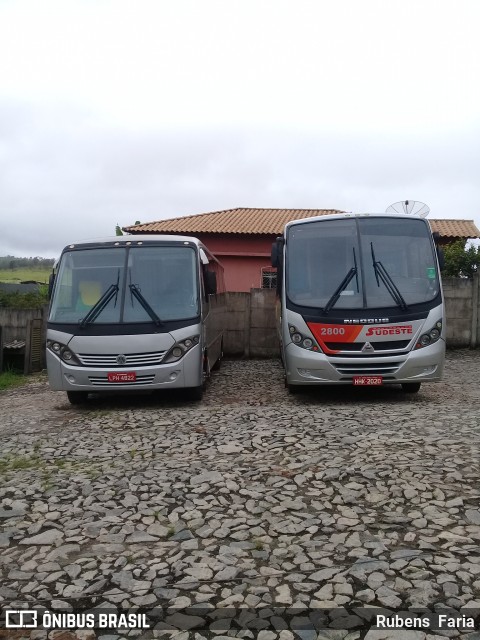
(460, 261)
(30, 300)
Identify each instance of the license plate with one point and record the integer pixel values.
(124, 376)
(367, 380)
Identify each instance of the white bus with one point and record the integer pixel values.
(139, 312)
(360, 301)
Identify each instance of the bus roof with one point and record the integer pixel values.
(342, 216)
(133, 240)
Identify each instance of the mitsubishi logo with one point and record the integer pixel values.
(367, 348)
(121, 360)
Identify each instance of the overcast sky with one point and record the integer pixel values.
(114, 111)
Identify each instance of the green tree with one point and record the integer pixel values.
(118, 231)
(460, 261)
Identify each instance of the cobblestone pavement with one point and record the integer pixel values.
(247, 514)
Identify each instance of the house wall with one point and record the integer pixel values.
(243, 273)
(242, 257)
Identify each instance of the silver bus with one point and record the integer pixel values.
(360, 301)
(140, 312)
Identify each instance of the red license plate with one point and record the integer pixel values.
(124, 376)
(367, 380)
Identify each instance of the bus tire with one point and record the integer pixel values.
(77, 397)
(194, 393)
(293, 389)
(411, 387)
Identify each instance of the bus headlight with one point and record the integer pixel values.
(429, 337)
(302, 341)
(180, 348)
(54, 346)
(63, 352)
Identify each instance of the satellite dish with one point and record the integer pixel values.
(414, 207)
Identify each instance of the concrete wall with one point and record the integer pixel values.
(462, 311)
(250, 324)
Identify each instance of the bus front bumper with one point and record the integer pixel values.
(186, 372)
(303, 367)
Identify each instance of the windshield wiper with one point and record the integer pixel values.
(136, 294)
(382, 274)
(101, 304)
(342, 286)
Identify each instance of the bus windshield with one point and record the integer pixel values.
(358, 263)
(126, 285)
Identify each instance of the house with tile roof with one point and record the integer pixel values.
(242, 238)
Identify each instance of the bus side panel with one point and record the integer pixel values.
(214, 323)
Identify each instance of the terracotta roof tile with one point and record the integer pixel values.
(241, 220)
(270, 222)
(455, 228)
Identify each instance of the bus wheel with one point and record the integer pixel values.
(292, 389)
(194, 393)
(410, 387)
(77, 397)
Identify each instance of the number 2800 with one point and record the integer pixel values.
(332, 331)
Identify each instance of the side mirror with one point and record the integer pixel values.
(51, 282)
(210, 282)
(276, 254)
(441, 258)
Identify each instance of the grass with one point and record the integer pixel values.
(48, 468)
(15, 463)
(19, 275)
(10, 379)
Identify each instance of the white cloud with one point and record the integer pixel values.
(114, 110)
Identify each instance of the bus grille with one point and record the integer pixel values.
(358, 346)
(131, 359)
(103, 381)
(377, 369)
